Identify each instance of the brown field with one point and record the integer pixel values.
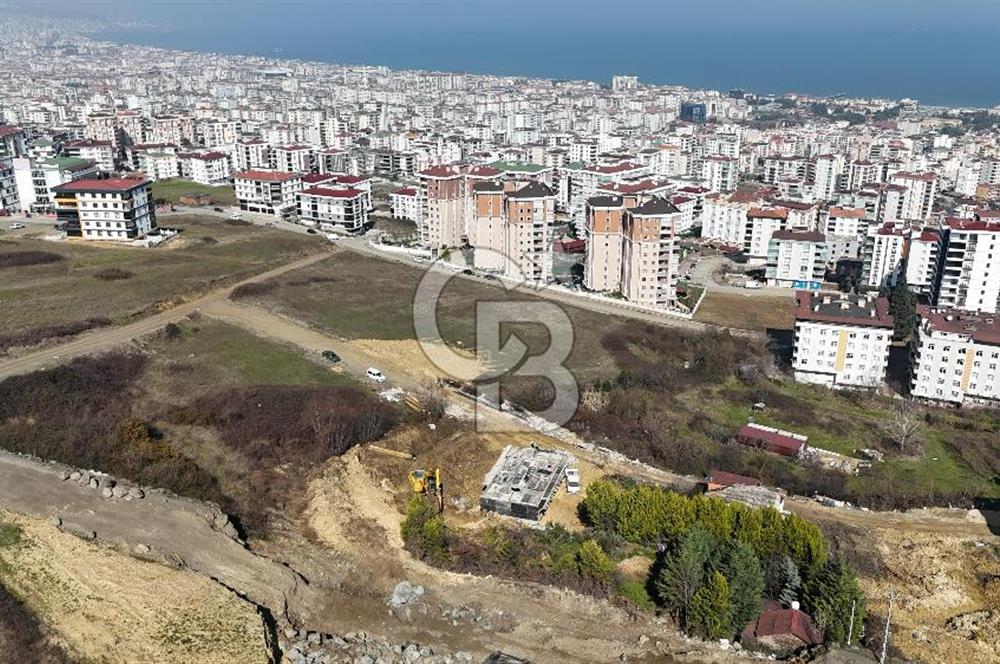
(749, 312)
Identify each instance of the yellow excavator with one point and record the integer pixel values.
(428, 483)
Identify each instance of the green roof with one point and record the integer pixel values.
(65, 163)
(576, 165)
(518, 166)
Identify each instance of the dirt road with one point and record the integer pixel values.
(102, 339)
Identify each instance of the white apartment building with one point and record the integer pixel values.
(13, 142)
(797, 259)
(885, 250)
(112, 210)
(861, 172)
(921, 188)
(841, 341)
(293, 158)
(720, 173)
(649, 254)
(267, 192)
(9, 199)
(251, 155)
(100, 152)
(779, 168)
(761, 224)
(405, 204)
(970, 269)
(159, 165)
(527, 248)
(340, 208)
(217, 133)
(922, 261)
(35, 180)
(955, 356)
(724, 217)
(829, 168)
(209, 168)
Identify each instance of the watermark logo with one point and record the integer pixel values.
(496, 357)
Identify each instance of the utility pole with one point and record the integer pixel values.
(885, 638)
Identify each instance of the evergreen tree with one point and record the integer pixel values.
(791, 582)
(828, 596)
(902, 308)
(683, 572)
(742, 570)
(592, 562)
(711, 613)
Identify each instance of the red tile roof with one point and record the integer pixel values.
(406, 191)
(316, 178)
(113, 184)
(266, 176)
(438, 172)
(352, 179)
(813, 307)
(333, 193)
(852, 213)
(779, 622)
(730, 479)
(982, 328)
(7, 130)
(972, 225)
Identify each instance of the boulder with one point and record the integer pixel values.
(75, 475)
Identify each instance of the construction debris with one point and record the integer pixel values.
(523, 481)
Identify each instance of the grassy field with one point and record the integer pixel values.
(209, 253)
(749, 312)
(357, 297)
(172, 190)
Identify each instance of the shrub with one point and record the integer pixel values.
(592, 562)
(252, 289)
(38, 335)
(113, 274)
(26, 258)
(711, 615)
(172, 332)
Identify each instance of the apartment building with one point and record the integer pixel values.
(293, 159)
(117, 209)
(267, 192)
(918, 199)
(442, 191)
(333, 208)
(207, 168)
(720, 173)
(797, 259)
(9, 199)
(175, 129)
(159, 165)
(923, 261)
(971, 264)
(217, 133)
(405, 204)
(724, 217)
(861, 173)
(761, 224)
(602, 267)
(649, 254)
(527, 238)
(841, 341)
(100, 152)
(955, 356)
(35, 180)
(487, 229)
(13, 142)
(251, 155)
(884, 253)
(779, 168)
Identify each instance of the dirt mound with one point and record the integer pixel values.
(108, 607)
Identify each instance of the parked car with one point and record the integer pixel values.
(375, 375)
(234, 215)
(330, 356)
(753, 285)
(572, 481)
(217, 209)
(4, 213)
(16, 226)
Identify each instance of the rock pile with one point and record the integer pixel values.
(302, 647)
(406, 601)
(107, 485)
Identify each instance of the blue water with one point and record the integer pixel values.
(937, 53)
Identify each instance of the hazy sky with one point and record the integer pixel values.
(937, 51)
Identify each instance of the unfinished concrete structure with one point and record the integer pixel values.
(523, 481)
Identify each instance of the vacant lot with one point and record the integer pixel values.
(172, 190)
(65, 285)
(749, 312)
(358, 297)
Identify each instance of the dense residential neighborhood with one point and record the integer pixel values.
(224, 413)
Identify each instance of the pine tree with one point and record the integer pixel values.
(742, 569)
(683, 573)
(592, 562)
(711, 613)
(791, 582)
(829, 594)
(902, 308)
